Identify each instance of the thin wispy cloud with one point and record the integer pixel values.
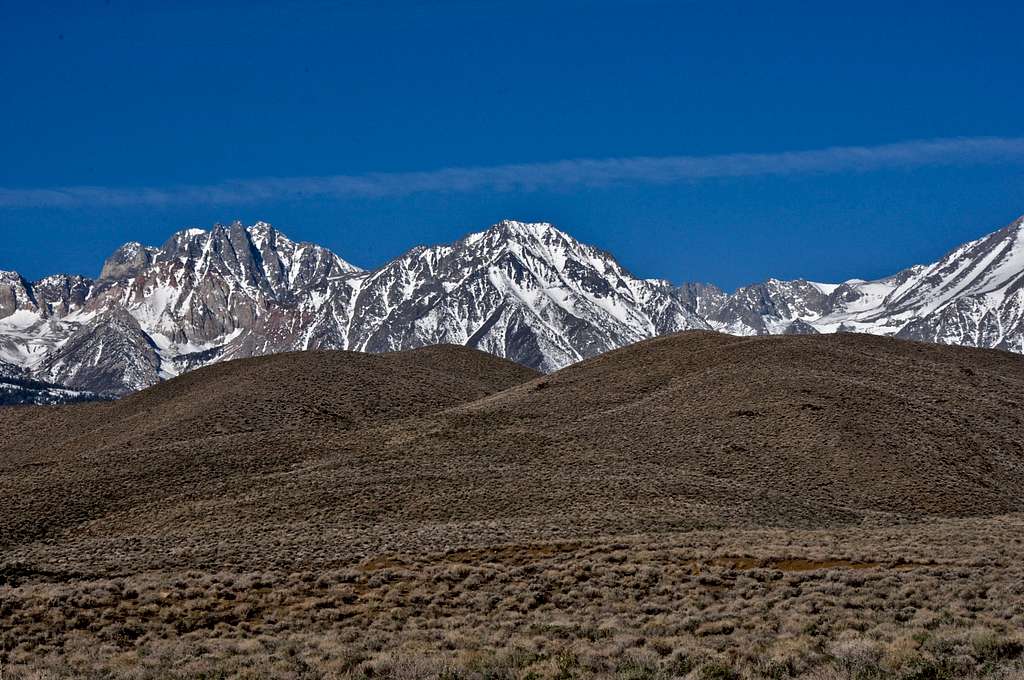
(535, 176)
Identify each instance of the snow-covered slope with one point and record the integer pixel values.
(973, 296)
(203, 296)
(528, 292)
(17, 388)
(769, 307)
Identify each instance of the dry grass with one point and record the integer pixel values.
(939, 600)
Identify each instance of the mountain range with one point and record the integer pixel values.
(528, 292)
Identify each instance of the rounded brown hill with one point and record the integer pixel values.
(697, 430)
(815, 426)
(305, 391)
(693, 430)
(215, 429)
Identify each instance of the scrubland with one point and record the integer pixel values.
(937, 600)
(696, 506)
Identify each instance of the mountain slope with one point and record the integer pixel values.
(524, 291)
(702, 505)
(973, 296)
(111, 350)
(217, 429)
(843, 423)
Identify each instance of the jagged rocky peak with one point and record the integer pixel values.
(550, 252)
(523, 290)
(703, 299)
(543, 251)
(516, 229)
(285, 262)
(990, 264)
(128, 260)
(15, 294)
(229, 247)
(194, 243)
(62, 294)
(768, 307)
(974, 296)
(186, 243)
(846, 292)
(522, 234)
(249, 253)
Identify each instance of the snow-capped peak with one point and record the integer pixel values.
(529, 229)
(523, 290)
(513, 229)
(973, 296)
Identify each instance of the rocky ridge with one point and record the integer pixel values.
(528, 292)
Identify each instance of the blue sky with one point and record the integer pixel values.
(722, 142)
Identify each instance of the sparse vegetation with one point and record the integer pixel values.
(692, 606)
(622, 522)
